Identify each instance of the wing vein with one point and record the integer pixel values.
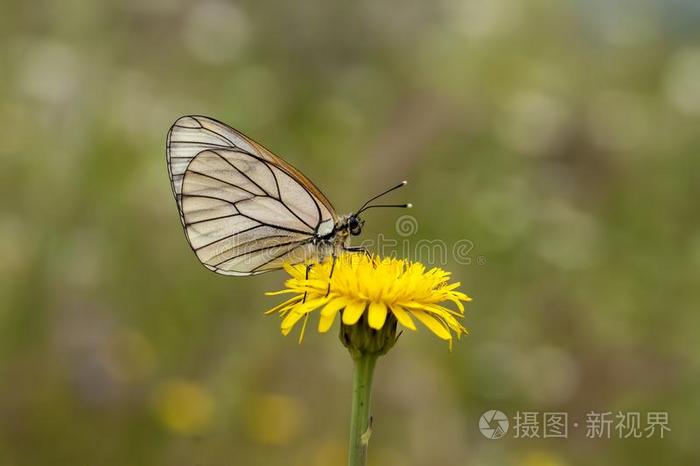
(197, 222)
(260, 249)
(265, 162)
(279, 227)
(226, 183)
(231, 236)
(278, 256)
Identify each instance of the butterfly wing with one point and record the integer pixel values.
(193, 134)
(245, 215)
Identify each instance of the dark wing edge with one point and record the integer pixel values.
(290, 240)
(260, 151)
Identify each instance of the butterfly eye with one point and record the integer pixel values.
(355, 226)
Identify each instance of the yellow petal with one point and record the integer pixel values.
(377, 314)
(289, 302)
(443, 312)
(275, 293)
(315, 284)
(459, 304)
(353, 312)
(461, 296)
(333, 306)
(289, 321)
(452, 286)
(311, 305)
(303, 328)
(412, 305)
(326, 322)
(433, 324)
(403, 317)
(297, 271)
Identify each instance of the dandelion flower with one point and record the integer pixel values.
(373, 296)
(377, 292)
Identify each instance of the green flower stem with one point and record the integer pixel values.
(360, 428)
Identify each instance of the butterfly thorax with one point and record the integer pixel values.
(339, 236)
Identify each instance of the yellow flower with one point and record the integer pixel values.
(184, 407)
(374, 289)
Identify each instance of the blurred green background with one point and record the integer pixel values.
(561, 138)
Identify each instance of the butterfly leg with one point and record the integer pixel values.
(361, 249)
(328, 291)
(306, 277)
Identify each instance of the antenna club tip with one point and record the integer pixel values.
(409, 206)
(404, 182)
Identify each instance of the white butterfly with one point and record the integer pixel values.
(246, 211)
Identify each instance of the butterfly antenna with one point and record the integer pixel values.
(366, 205)
(403, 206)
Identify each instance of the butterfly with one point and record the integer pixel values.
(246, 211)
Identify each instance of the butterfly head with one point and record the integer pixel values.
(349, 225)
(352, 224)
(355, 224)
